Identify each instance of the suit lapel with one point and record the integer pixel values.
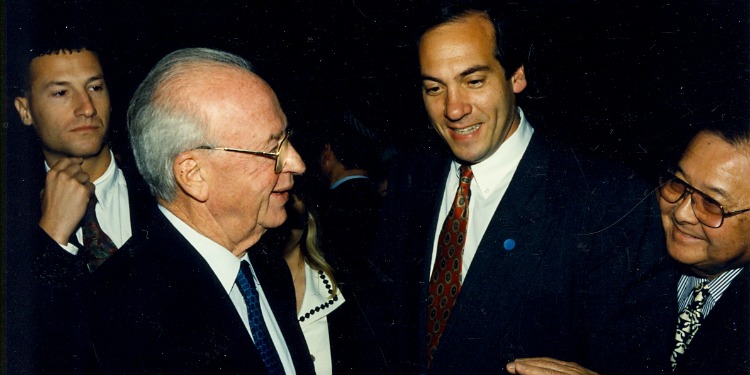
(725, 334)
(276, 281)
(139, 198)
(213, 305)
(504, 274)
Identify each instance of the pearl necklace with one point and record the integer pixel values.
(324, 305)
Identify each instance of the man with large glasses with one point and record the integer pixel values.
(705, 210)
(701, 325)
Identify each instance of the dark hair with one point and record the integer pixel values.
(733, 124)
(728, 117)
(52, 43)
(352, 142)
(511, 42)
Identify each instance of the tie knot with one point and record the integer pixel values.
(700, 290)
(465, 174)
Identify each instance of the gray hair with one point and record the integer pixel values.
(162, 129)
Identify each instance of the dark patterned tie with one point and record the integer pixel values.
(445, 282)
(98, 245)
(689, 321)
(258, 328)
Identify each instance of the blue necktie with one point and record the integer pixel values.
(257, 326)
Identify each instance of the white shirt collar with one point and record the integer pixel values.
(505, 160)
(345, 179)
(224, 264)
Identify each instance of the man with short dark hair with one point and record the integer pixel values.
(508, 245)
(66, 101)
(196, 294)
(350, 205)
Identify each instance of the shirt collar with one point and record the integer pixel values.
(503, 161)
(345, 179)
(222, 262)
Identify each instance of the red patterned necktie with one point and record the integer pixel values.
(98, 245)
(445, 282)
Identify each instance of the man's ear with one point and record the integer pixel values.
(327, 154)
(518, 80)
(22, 106)
(191, 176)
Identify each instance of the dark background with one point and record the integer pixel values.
(621, 79)
(618, 78)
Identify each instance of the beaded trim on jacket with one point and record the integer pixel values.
(331, 301)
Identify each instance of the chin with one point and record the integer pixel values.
(277, 220)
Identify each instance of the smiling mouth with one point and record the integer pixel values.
(468, 130)
(682, 235)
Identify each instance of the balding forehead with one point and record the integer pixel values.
(189, 77)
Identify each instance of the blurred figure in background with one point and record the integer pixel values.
(350, 205)
(338, 335)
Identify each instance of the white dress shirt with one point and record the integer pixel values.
(314, 323)
(226, 266)
(491, 180)
(716, 289)
(112, 208)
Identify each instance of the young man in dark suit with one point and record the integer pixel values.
(542, 260)
(52, 261)
(196, 294)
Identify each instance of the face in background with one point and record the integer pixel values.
(722, 171)
(243, 193)
(68, 104)
(470, 103)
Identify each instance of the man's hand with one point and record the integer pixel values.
(66, 194)
(545, 366)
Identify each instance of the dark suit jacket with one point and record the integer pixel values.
(47, 329)
(164, 311)
(348, 219)
(559, 292)
(722, 344)
(354, 345)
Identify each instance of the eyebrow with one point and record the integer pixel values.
(68, 83)
(724, 195)
(468, 71)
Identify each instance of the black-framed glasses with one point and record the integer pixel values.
(707, 210)
(279, 154)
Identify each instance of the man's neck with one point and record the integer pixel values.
(95, 165)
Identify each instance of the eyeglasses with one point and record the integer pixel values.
(279, 155)
(706, 209)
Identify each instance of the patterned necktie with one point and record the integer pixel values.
(689, 321)
(258, 328)
(445, 282)
(98, 245)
